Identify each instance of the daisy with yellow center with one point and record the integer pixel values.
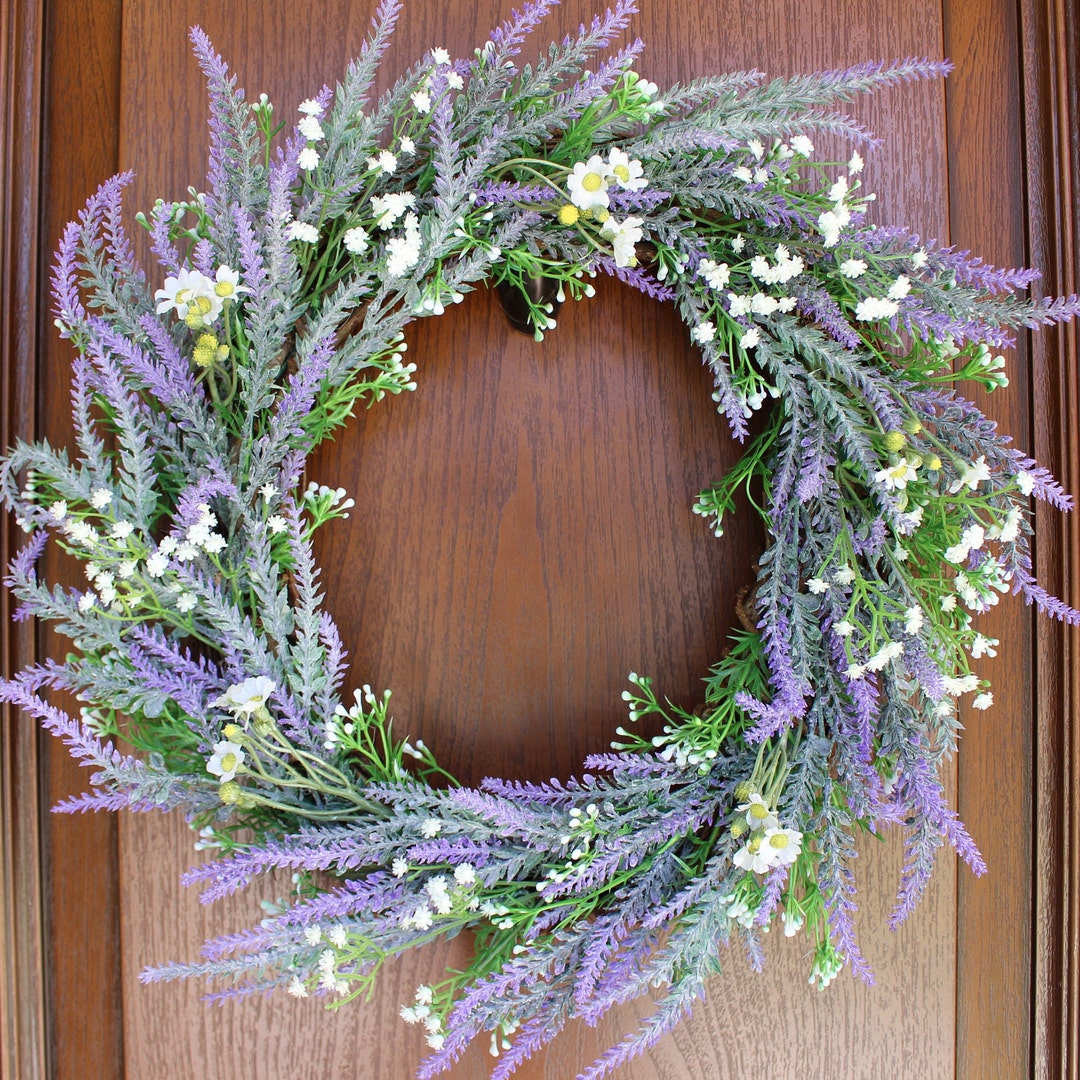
(896, 477)
(227, 283)
(627, 173)
(758, 814)
(754, 857)
(782, 846)
(587, 184)
(225, 761)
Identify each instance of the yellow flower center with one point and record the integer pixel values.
(622, 172)
(230, 792)
(568, 214)
(204, 356)
(934, 463)
(592, 181)
(754, 846)
(779, 841)
(759, 811)
(228, 762)
(232, 732)
(895, 441)
(224, 288)
(197, 308)
(207, 349)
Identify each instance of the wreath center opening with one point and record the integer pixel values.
(528, 536)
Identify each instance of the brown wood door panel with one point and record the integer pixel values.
(529, 541)
(983, 39)
(81, 885)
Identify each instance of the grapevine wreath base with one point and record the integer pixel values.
(894, 514)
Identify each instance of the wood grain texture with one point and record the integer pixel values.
(23, 984)
(548, 546)
(994, 983)
(511, 606)
(1051, 43)
(81, 113)
(527, 540)
(529, 592)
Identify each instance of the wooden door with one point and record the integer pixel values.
(527, 540)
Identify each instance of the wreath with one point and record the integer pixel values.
(894, 513)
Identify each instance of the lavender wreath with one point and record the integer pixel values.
(894, 512)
